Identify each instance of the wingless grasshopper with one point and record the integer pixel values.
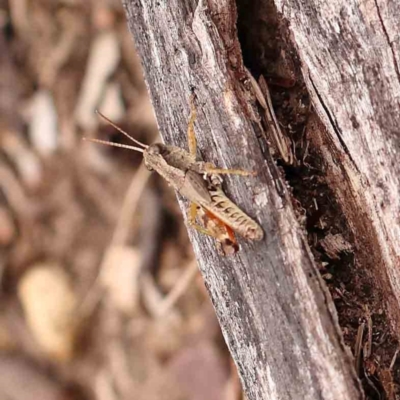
(200, 183)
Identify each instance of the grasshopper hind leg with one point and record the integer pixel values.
(192, 141)
(192, 219)
(224, 236)
(211, 169)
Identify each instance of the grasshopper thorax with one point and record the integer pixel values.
(161, 155)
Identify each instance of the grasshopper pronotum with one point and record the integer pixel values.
(200, 183)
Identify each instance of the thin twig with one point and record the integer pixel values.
(368, 343)
(178, 290)
(394, 358)
(358, 347)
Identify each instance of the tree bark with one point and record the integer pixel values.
(350, 54)
(275, 312)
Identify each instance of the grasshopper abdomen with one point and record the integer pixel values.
(230, 214)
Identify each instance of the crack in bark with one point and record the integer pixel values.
(334, 125)
(396, 66)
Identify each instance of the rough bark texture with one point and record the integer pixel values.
(276, 315)
(350, 62)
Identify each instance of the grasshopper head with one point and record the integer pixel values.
(153, 154)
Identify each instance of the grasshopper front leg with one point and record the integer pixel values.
(210, 169)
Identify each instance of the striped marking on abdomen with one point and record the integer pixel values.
(229, 213)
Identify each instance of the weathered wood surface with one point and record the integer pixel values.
(276, 315)
(350, 53)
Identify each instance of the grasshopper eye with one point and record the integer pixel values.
(156, 149)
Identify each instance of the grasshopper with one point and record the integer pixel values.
(200, 183)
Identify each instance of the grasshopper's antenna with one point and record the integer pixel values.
(104, 142)
(121, 130)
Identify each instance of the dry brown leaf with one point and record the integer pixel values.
(120, 277)
(43, 129)
(98, 71)
(49, 303)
